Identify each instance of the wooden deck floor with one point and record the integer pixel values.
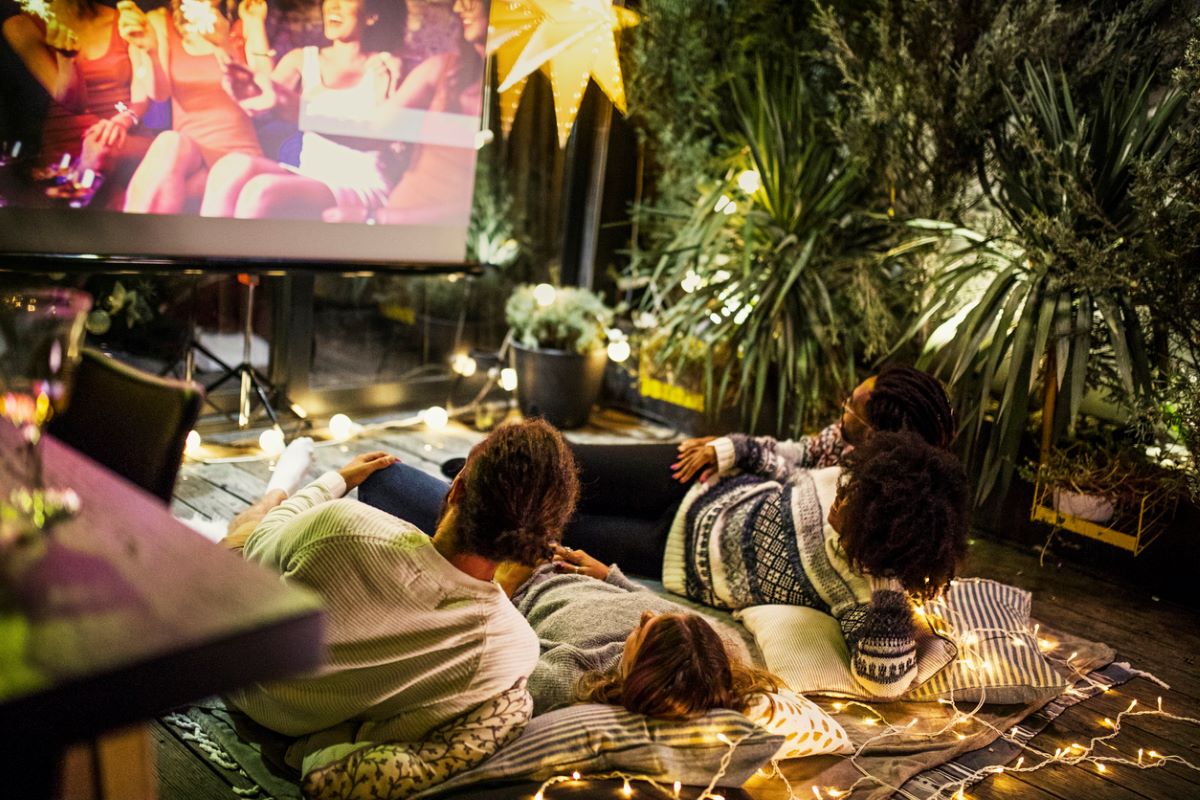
(1155, 636)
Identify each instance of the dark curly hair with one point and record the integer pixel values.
(907, 399)
(517, 491)
(905, 511)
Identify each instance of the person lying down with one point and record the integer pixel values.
(607, 639)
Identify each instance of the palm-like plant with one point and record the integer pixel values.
(773, 268)
(1057, 290)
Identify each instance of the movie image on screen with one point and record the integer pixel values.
(339, 131)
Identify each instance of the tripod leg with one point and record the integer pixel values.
(260, 387)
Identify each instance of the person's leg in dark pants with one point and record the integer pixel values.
(407, 493)
(626, 504)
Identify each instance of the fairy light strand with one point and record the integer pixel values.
(1030, 758)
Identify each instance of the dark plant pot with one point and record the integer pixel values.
(558, 386)
(441, 338)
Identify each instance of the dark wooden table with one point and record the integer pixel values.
(121, 613)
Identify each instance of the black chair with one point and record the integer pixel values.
(132, 422)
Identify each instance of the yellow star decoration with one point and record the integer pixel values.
(570, 40)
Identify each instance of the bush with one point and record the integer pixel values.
(577, 320)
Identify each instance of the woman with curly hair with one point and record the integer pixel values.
(417, 631)
(857, 541)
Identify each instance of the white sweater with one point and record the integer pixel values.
(412, 641)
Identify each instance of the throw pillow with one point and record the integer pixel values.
(999, 660)
(806, 729)
(593, 738)
(400, 769)
(806, 648)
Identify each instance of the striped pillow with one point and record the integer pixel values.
(998, 660)
(593, 738)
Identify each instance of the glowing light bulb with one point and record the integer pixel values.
(627, 790)
(435, 418)
(341, 427)
(1101, 768)
(299, 411)
(618, 351)
(575, 775)
(463, 365)
(749, 181)
(270, 441)
(676, 787)
(544, 294)
(192, 445)
(508, 379)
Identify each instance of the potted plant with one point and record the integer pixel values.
(1052, 299)
(1108, 489)
(559, 339)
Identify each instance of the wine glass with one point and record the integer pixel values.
(41, 333)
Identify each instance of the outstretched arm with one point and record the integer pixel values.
(274, 539)
(771, 458)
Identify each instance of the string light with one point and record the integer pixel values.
(341, 427)
(192, 444)
(749, 181)
(271, 441)
(435, 418)
(508, 379)
(544, 294)
(463, 365)
(618, 351)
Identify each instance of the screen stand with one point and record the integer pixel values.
(251, 383)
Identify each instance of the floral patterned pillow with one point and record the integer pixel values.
(400, 769)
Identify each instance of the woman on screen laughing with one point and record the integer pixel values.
(339, 86)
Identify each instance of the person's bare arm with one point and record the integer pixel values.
(47, 56)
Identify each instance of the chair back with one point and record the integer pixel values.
(130, 421)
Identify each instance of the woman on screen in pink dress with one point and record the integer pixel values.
(346, 81)
(80, 59)
(185, 49)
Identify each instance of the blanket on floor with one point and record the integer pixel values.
(920, 755)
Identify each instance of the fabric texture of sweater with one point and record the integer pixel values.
(761, 537)
(413, 642)
(582, 624)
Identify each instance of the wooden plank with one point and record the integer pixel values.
(185, 774)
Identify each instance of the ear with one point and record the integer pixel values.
(456, 490)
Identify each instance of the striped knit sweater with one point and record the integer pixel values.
(761, 537)
(412, 641)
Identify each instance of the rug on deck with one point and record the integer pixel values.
(922, 765)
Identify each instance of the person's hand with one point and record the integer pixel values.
(695, 455)
(252, 11)
(61, 38)
(134, 27)
(384, 69)
(110, 134)
(362, 467)
(567, 559)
